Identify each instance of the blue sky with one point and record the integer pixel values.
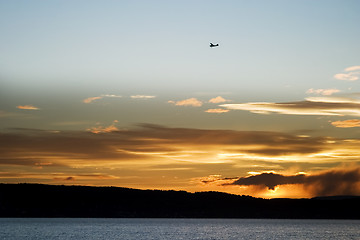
(99, 67)
(161, 45)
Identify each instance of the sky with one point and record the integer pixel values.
(129, 94)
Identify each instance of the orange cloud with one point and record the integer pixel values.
(91, 99)
(347, 123)
(28, 107)
(101, 129)
(218, 99)
(188, 102)
(217, 110)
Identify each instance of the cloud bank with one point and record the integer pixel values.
(327, 183)
(330, 106)
(148, 149)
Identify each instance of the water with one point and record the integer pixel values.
(187, 229)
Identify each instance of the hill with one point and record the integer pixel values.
(37, 200)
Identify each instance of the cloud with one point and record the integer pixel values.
(347, 76)
(347, 123)
(331, 106)
(111, 96)
(324, 92)
(217, 110)
(218, 99)
(355, 100)
(31, 147)
(353, 68)
(188, 102)
(91, 99)
(352, 74)
(270, 180)
(327, 183)
(57, 176)
(142, 97)
(101, 129)
(28, 107)
(83, 177)
(132, 151)
(65, 178)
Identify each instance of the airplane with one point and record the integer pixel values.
(214, 45)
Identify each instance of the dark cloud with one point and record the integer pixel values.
(334, 182)
(270, 180)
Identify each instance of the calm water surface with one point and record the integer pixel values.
(94, 228)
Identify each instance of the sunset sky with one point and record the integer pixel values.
(129, 93)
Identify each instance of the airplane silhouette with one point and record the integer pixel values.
(214, 45)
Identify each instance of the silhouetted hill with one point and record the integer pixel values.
(37, 200)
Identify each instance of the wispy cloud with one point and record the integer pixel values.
(352, 74)
(111, 96)
(83, 177)
(57, 176)
(218, 99)
(188, 102)
(347, 76)
(353, 68)
(91, 99)
(324, 92)
(217, 110)
(347, 123)
(27, 107)
(332, 106)
(142, 96)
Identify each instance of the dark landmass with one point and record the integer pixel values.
(37, 200)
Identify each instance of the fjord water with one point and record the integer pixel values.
(95, 228)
